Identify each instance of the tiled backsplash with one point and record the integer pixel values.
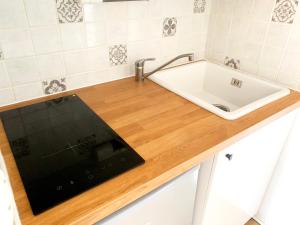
(48, 46)
(263, 36)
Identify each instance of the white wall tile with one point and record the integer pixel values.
(153, 50)
(137, 30)
(294, 39)
(73, 36)
(6, 96)
(92, 78)
(278, 34)
(243, 8)
(37, 47)
(155, 8)
(240, 29)
(169, 47)
(95, 34)
(289, 79)
(51, 65)
(28, 91)
(187, 6)
(271, 56)
(251, 52)
(220, 29)
(94, 12)
(4, 79)
(117, 31)
(235, 49)
(172, 8)
(22, 70)
(12, 14)
(269, 49)
(119, 72)
(138, 10)
(41, 12)
(290, 63)
(98, 77)
(74, 62)
(86, 60)
(188, 24)
(199, 23)
(155, 29)
(267, 72)
(46, 39)
(78, 81)
(192, 43)
(16, 43)
(262, 10)
(224, 7)
(249, 66)
(115, 11)
(257, 32)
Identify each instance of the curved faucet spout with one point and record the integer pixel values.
(139, 66)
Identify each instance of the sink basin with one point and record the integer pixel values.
(228, 93)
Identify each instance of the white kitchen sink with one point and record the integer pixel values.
(209, 85)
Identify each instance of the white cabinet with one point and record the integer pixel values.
(172, 204)
(233, 183)
(281, 202)
(8, 210)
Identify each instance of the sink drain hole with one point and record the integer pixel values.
(222, 107)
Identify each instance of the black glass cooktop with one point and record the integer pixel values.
(63, 148)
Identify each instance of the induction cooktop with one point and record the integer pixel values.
(62, 148)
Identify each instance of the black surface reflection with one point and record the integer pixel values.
(63, 148)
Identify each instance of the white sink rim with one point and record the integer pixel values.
(244, 110)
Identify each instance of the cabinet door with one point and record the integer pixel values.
(172, 204)
(8, 209)
(241, 173)
(281, 202)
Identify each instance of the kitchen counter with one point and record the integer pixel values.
(169, 132)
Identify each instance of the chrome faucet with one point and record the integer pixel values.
(140, 75)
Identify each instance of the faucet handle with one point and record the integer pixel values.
(141, 62)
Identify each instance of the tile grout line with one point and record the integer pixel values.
(265, 38)
(72, 89)
(27, 33)
(229, 31)
(10, 82)
(35, 56)
(284, 53)
(207, 49)
(33, 46)
(62, 53)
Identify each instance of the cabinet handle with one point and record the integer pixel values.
(229, 156)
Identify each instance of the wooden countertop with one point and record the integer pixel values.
(169, 132)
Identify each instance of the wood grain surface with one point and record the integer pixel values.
(169, 132)
(252, 222)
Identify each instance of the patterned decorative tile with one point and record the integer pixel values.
(69, 11)
(118, 55)
(169, 27)
(54, 86)
(233, 63)
(21, 147)
(199, 6)
(285, 11)
(1, 54)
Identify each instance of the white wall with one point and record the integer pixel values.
(261, 34)
(281, 203)
(39, 44)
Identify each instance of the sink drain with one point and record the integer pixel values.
(222, 107)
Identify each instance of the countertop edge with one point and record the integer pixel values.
(93, 215)
(171, 174)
